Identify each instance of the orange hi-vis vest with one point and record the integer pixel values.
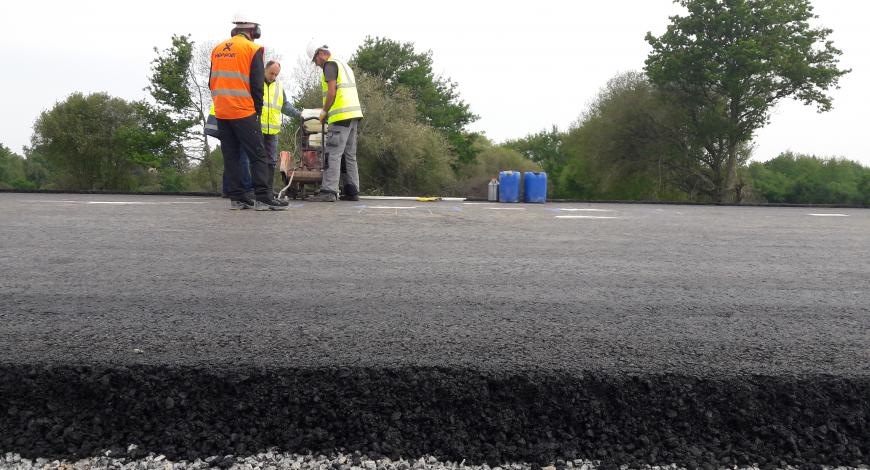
(230, 81)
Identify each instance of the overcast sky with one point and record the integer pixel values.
(522, 66)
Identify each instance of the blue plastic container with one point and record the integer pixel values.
(535, 187)
(509, 186)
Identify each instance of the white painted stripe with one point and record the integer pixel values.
(585, 210)
(406, 198)
(584, 217)
(141, 203)
(505, 208)
(391, 207)
(829, 215)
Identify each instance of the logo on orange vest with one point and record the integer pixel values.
(227, 46)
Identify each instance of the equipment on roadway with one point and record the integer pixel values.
(305, 168)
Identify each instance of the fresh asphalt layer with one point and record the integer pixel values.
(625, 332)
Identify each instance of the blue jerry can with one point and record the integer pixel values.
(509, 186)
(535, 187)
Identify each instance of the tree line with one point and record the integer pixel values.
(681, 129)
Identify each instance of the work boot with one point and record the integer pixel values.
(270, 204)
(322, 196)
(350, 193)
(241, 204)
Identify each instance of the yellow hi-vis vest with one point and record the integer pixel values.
(273, 101)
(346, 105)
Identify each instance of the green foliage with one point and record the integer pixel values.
(85, 142)
(169, 122)
(728, 62)
(169, 83)
(12, 169)
(200, 178)
(147, 142)
(627, 146)
(801, 179)
(396, 153)
(37, 170)
(171, 180)
(545, 149)
(437, 99)
(490, 160)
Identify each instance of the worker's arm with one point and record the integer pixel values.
(257, 80)
(330, 95)
(330, 76)
(288, 110)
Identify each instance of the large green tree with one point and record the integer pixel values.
(437, 98)
(727, 62)
(629, 144)
(179, 84)
(92, 142)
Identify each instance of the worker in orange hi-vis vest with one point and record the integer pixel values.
(237, 69)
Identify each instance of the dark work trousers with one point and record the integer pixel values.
(238, 134)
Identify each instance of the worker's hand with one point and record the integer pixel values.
(322, 116)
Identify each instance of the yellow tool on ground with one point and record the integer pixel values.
(428, 199)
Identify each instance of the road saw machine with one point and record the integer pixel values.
(302, 170)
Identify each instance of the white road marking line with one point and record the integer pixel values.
(584, 210)
(391, 207)
(141, 203)
(406, 198)
(584, 217)
(119, 203)
(505, 208)
(829, 215)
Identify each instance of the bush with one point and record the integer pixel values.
(801, 179)
(490, 160)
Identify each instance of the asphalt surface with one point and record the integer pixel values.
(762, 309)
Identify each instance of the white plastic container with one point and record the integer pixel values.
(312, 125)
(315, 141)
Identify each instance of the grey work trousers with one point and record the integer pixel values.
(270, 142)
(341, 143)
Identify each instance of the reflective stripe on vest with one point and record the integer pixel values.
(229, 80)
(346, 105)
(211, 127)
(273, 101)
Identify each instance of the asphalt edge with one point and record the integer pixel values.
(64, 411)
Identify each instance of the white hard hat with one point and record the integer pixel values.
(313, 46)
(243, 18)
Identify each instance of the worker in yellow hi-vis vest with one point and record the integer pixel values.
(274, 105)
(343, 112)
